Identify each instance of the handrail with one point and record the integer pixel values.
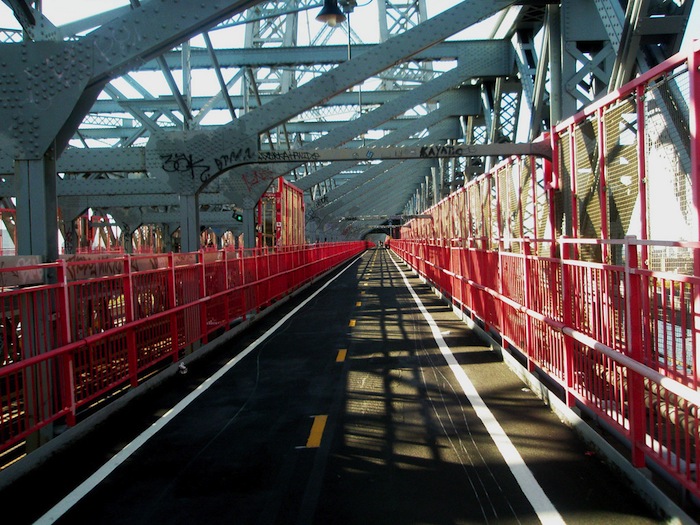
(72, 342)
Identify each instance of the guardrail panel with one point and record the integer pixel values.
(129, 317)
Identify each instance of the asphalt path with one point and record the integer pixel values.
(363, 402)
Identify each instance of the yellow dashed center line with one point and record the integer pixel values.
(352, 322)
(358, 303)
(341, 356)
(316, 433)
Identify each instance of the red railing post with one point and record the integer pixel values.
(227, 287)
(567, 301)
(67, 379)
(204, 335)
(527, 269)
(469, 275)
(129, 301)
(172, 298)
(633, 325)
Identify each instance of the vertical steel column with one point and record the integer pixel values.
(37, 207)
(202, 310)
(527, 297)
(37, 235)
(249, 228)
(172, 303)
(642, 168)
(189, 223)
(555, 63)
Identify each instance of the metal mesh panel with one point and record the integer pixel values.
(459, 202)
(587, 187)
(621, 170)
(542, 209)
(476, 224)
(670, 214)
(527, 206)
(562, 204)
(491, 210)
(508, 203)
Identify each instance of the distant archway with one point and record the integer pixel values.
(378, 235)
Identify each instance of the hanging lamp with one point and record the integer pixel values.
(331, 13)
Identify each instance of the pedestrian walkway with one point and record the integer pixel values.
(356, 404)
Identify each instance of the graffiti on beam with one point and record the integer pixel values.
(185, 164)
(288, 156)
(235, 157)
(256, 177)
(433, 152)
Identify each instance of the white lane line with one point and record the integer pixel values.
(543, 507)
(105, 470)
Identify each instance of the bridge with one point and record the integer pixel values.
(397, 263)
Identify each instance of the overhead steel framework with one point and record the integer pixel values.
(146, 112)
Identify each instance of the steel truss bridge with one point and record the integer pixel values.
(539, 159)
(90, 106)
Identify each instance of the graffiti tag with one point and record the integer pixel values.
(182, 163)
(256, 177)
(288, 156)
(431, 152)
(236, 156)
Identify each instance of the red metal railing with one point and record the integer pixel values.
(619, 340)
(108, 323)
(611, 310)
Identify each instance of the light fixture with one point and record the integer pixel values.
(331, 13)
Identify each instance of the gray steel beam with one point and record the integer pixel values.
(489, 58)
(376, 170)
(84, 160)
(216, 151)
(386, 179)
(50, 103)
(455, 104)
(309, 127)
(132, 39)
(436, 151)
(275, 57)
(104, 107)
(333, 169)
(135, 200)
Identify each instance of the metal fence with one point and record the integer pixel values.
(106, 324)
(588, 266)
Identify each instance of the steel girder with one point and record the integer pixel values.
(238, 138)
(437, 133)
(525, 68)
(48, 88)
(50, 99)
(476, 59)
(480, 62)
(402, 134)
(604, 45)
(297, 56)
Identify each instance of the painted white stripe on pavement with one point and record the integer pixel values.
(105, 470)
(543, 507)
